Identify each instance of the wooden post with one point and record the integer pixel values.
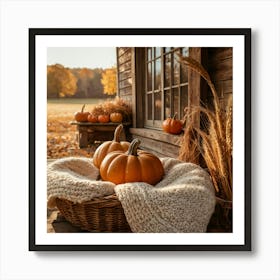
(138, 86)
(83, 137)
(194, 84)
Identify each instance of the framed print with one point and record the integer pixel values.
(140, 139)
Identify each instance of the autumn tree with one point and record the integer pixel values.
(85, 76)
(60, 81)
(80, 82)
(109, 81)
(96, 85)
(88, 82)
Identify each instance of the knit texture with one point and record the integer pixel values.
(183, 201)
(75, 179)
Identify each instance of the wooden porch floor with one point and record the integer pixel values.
(56, 223)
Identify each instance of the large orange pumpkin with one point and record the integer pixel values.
(82, 116)
(172, 125)
(110, 146)
(132, 166)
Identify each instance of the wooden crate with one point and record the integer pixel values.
(88, 132)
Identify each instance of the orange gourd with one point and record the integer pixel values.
(92, 118)
(172, 125)
(81, 116)
(110, 146)
(116, 117)
(132, 166)
(104, 118)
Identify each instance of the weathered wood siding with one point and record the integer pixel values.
(124, 66)
(219, 65)
(158, 142)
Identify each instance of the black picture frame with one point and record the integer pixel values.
(245, 33)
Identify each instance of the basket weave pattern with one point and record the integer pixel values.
(103, 214)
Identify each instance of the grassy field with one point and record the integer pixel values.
(75, 100)
(61, 135)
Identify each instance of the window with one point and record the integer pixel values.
(166, 85)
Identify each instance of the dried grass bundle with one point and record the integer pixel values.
(98, 110)
(116, 105)
(213, 140)
(189, 150)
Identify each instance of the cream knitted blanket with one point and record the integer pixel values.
(183, 201)
(75, 179)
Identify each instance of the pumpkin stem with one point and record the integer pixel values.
(175, 116)
(83, 108)
(132, 150)
(117, 133)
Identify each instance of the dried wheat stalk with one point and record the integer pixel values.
(214, 140)
(197, 67)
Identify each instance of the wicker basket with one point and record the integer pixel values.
(104, 214)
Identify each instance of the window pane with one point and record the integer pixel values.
(175, 96)
(184, 68)
(149, 106)
(167, 71)
(176, 70)
(149, 53)
(158, 52)
(158, 105)
(164, 70)
(185, 51)
(167, 106)
(184, 100)
(158, 74)
(150, 77)
(184, 73)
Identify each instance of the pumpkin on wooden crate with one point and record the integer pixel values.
(133, 166)
(116, 117)
(110, 146)
(92, 118)
(104, 118)
(81, 116)
(172, 125)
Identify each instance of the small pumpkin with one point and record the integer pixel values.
(116, 117)
(105, 118)
(110, 146)
(92, 118)
(81, 116)
(172, 125)
(132, 166)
